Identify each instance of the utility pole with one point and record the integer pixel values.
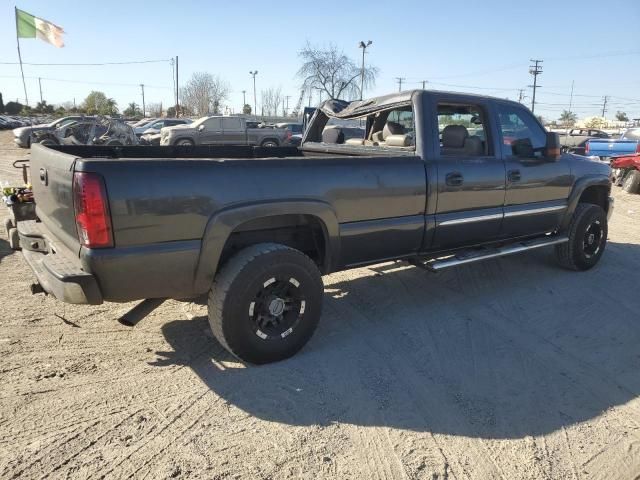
(605, 99)
(535, 70)
(177, 91)
(286, 110)
(571, 97)
(255, 98)
(363, 46)
(143, 107)
(400, 80)
(40, 85)
(244, 99)
(424, 84)
(521, 95)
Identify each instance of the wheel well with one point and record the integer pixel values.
(175, 142)
(302, 232)
(275, 140)
(596, 195)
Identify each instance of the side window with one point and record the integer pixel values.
(212, 124)
(522, 136)
(462, 130)
(392, 128)
(231, 123)
(158, 125)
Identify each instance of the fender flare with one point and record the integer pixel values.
(578, 189)
(223, 223)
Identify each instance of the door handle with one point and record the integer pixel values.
(454, 179)
(514, 176)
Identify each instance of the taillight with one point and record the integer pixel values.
(92, 210)
(586, 148)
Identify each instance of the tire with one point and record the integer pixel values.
(587, 238)
(269, 143)
(265, 303)
(184, 142)
(631, 182)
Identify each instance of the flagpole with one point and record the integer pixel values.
(24, 85)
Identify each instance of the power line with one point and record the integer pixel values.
(400, 80)
(87, 83)
(86, 64)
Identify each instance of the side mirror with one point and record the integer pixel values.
(522, 148)
(201, 128)
(552, 147)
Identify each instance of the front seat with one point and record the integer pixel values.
(390, 128)
(456, 141)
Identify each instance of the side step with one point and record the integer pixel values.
(470, 256)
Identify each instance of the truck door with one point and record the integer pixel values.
(471, 175)
(233, 131)
(211, 132)
(537, 187)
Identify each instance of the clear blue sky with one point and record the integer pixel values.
(481, 47)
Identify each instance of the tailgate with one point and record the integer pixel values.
(610, 148)
(52, 180)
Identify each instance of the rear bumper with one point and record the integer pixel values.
(58, 271)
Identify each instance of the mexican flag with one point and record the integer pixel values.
(29, 26)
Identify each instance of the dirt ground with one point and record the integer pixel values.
(506, 369)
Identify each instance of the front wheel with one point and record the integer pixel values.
(184, 143)
(265, 303)
(269, 143)
(631, 182)
(587, 238)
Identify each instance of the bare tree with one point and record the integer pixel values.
(204, 93)
(154, 109)
(271, 99)
(332, 72)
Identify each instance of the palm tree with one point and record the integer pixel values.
(568, 118)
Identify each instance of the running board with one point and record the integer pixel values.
(470, 256)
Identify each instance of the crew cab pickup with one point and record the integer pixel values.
(438, 180)
(576, 138)
(221, 130)
(628, 143)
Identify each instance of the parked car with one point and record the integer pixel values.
(576, 138)
(24, 135)
(256, 228)
(628, 143)
(95, 131)
(156, 125)
(626, 172)
(219, 130)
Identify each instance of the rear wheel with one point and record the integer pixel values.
(631, 182)
(265, 302)
(184, 142)
(587, 238)
(269, 143)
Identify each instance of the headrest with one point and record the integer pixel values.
(332, 135)
(453, 136)
(391, 128)
(398, 141)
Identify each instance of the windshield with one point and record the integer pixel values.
(198, 122)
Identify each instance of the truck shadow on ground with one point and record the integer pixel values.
(5, 249)
(500, 349)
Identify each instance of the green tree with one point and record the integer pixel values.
(43, 107)
(13, 108)
(133, 110)
(98, 103)
(246, 109)
(621, 116)
(568, 118)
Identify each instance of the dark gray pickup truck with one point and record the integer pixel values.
(439, 179)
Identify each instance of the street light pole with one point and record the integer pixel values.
(143, 107)
(244, 98)
(255, 98)
(363, 46)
